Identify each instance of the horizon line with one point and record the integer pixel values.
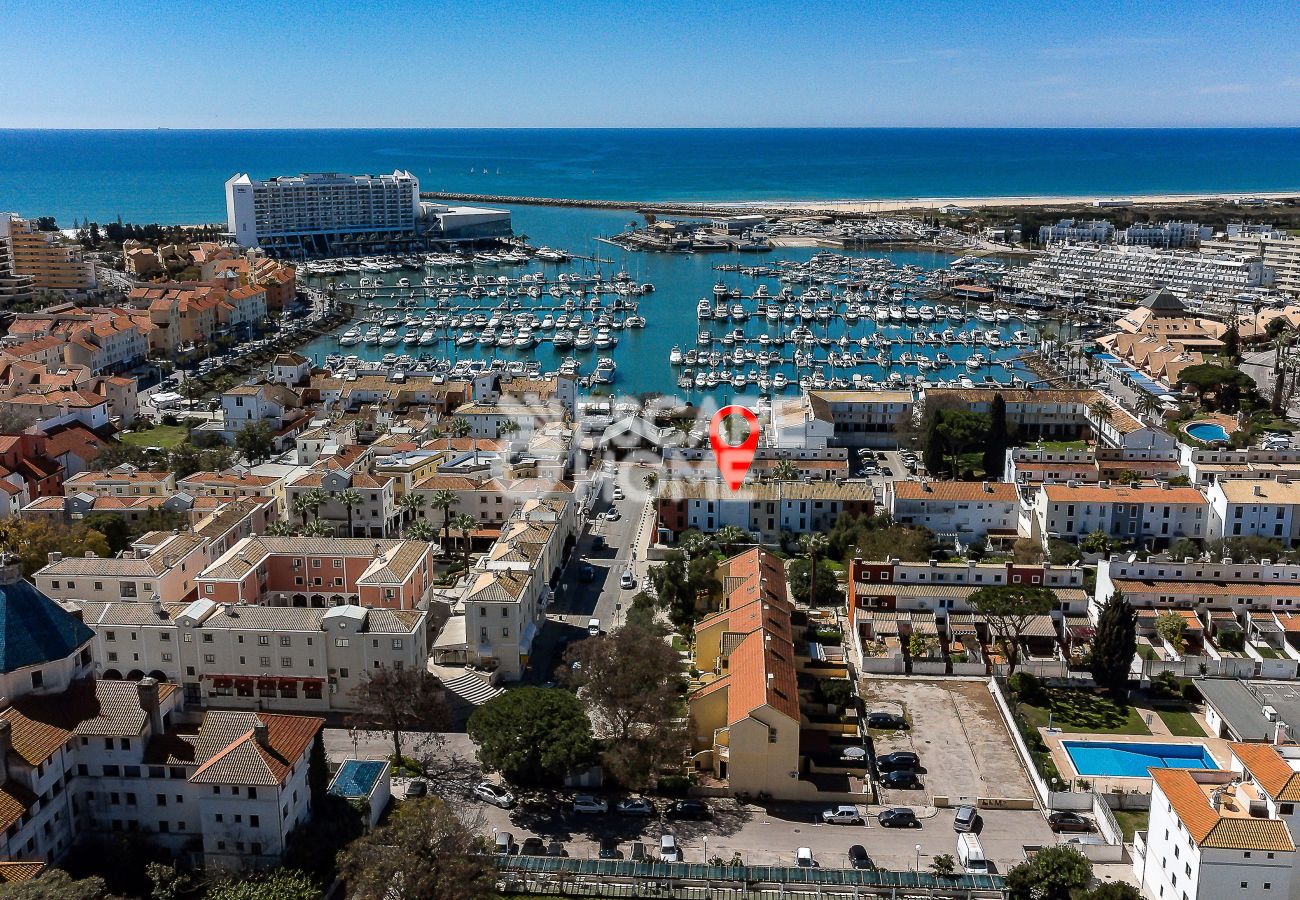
(29, 128)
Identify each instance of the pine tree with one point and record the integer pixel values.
(1114, 644)
(932, 455)
(995, 450)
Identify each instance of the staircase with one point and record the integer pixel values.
(473, 688)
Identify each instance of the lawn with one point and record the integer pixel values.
(1265, 651)
(1060, 445)
(1146, 651)
(165, 436)
(1181, 722)
(1131, 820)
(1083, 711)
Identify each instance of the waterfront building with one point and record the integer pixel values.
(324, 213)
(464, 223)
(1180, 235)
(1125, 271)
(1031, 413)
(1210, 835)
(1160, 337)
(1099, 231)
(245, 656)
(969, 511)
(1277, 251)
(1159, 514)
(46, 257)
(802, 422)
(865, 418)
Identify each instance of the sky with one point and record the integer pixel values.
(652, 63)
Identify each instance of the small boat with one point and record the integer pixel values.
(350, 337)
(675, 356)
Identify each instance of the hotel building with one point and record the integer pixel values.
(43, 256)
(1278, 251)
(1128, 270)
(324, 213)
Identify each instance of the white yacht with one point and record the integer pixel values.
(350, 337)
(675, 356)
(585, 339)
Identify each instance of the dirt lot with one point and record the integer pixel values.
(965, 749)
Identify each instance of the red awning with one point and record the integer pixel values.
(288, 682)
(221, 681)
(243, 681)
(266, 682)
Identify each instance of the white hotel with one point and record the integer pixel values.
(323, 212)
(1134, 270)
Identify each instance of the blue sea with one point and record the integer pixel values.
(177, 176)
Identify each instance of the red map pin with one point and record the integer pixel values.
(733, 460)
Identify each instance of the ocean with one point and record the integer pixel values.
(171, 176)
(177, 176)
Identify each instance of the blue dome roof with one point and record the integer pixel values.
(34, 629)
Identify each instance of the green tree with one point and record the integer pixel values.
(1228, 385)
(785, 470)
(813, 547)
(1231, 346)
(828, 592)
(444, 500)
(350, 499)
(420, 530)
(1008, 609)
(729, 538)
(33, 540)
(629, 679)
(410, 504)
(256, 441)
(944, 865)
(424, 852)
(961, 429)
(1055, 873)
(1109, 890)
(308, 502)
(1170, 626)
(1113, 644)
(999, 438)
(932, 454)
(275, 884)
(319, 528)
(1096, 541)
(465, 525)
(55, 884)
(398, 700)
(533, 735)
(113, 527)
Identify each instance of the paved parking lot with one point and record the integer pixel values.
(965, 750)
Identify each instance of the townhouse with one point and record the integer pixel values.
(1204, 467)
(866, 418)
(1261, 507)
(510, 587)
(279, 659)
(121, 481)
(81, 756)
(744, 707)
(1209, 835)
(491, 501)
(1160, 514)
(157, 564)
(320, 572)
(376, 515)
(970, 511)
(1031, 413)
(765, 509)
(802, 422)
(489, 388)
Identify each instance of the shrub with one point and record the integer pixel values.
(1026, 688)
(1191, 693)
(1062, 553)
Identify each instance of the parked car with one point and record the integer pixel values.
(505, 842)
(417, 788)
(555, 848)
(638, 851)
(899, 759)
(886, 720)
(628, 580)
(494, 794)
(1068, 822)
(635, 806)
(532, 846)
(586, 573)
(900, 778)
(898, 817)
(886, 471)
(598, 543)
(688, 809)
(618, 493)
(589, 805)
(858, 858)
(966, 818)
(609, 849)
(668, 849)
(803, 858)
(612, 514)
(842, 815)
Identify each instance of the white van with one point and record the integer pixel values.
(593, 627)
(971, 854)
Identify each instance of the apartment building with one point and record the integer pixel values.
(490, 388)
(1278, 251)
(1203, 586)
(1160, 514)
(182, 318)
(967, 510)
(279, 659)
(320, 572)
(324, 213)
(165, 565)
(802, 422)
(491, 501)
(945, 587)
(1205, 467)
(511, 586)
(1264, 507)
(1168, 235)
(375, 515)
(1098, 231)
(1031, 467)
(121, 481)
(15, 289)
(51, 262)
(1209, 836)
(1130, 270)
(866, 418)
(699, 463)
(744, 707)
(1031, 413)
(766, 509)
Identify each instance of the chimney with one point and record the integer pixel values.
(262, 735)
(6, 744)
(147, 690)
(1166, 486)
(55, 556)
(984, 486)
(1257, 490)
(1279, 733)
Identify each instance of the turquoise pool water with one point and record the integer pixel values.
(356, 778)
(1207, 432)
(1119, 759)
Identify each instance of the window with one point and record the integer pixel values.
(340, 642)
(286, 641)
(210, 658)
(207, 639)
(397, 643)
(38, 678)
(343, 673)
(338, 563)
(207, 589)
(264, 640)
(286, 662)
(264, 662)
(127, 589)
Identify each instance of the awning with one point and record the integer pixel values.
(266, 682)
(1040, 626)
(288, 682)
(452, 636)
(219, 681)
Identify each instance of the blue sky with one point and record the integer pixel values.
(96, 64)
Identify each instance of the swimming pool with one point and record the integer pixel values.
(1208, 432)
(1120, 759)
(356, 778)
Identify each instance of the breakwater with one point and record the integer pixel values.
(666, 208)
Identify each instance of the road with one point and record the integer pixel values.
(603, 598)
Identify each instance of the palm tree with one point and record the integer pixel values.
(1148, 405)
(350, 499)
(651, 479)
(1100, 411)
(508, 427)
(280, 528)
(728, 537)
(421, 530)
(465, 525)
(319, 528)
(784, 470)
(460, 428)
(444, 500)
(308, 502)
(410, 502)
(813, 546)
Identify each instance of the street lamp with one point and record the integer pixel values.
(706, 849)
(918, 857)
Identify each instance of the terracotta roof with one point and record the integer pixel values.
(1210, 828)
(996, 491)
(43, 723)
(228, 751)
(15, 872)
(1091, 493)
(1278, 779)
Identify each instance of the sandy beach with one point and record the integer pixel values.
(918, 203)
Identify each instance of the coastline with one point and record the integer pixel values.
(863, 207)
